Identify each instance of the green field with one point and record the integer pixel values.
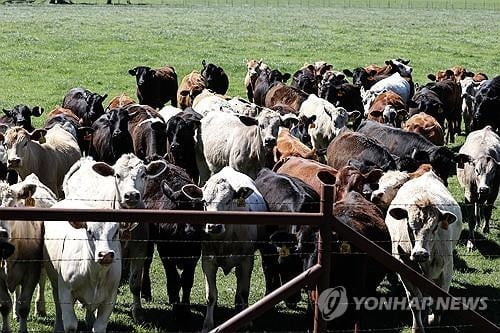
(46, 50)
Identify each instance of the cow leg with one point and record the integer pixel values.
(146, 280)
(472, 225)
(103, 313)
(40, 310)
(210, 270)
(488, 210)
(243, 276)
(411, 293)
(90, 316)
(23, 302)
(250, 94)
(269, 267)
(187, 280)
(66, 302)
(5, 306)
(173, 283)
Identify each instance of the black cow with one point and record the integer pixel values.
(155, 87)
(345, 95)
(215, 78)
(20, 115)
(85, 104)
(487, 105)
(364, 78)
(179, 245)
(300, 130)
(111, 137)
(305, 79)
(412, 145)
(280, 260)
(264, 81)
(180, 134)
(356, 146)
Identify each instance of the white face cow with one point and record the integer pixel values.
(423, 220)
(103, 240)
(484, 172)
(388, 186)
(269, 123)
(17, 142)
(130, 174)
(402, 66)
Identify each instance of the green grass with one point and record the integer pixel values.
(46, 50)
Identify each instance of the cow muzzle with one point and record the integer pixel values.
(483, 191)
(105, 257)
(131, 199)
(215, 229)
(13, 163)
(270, 142)
(419, 255)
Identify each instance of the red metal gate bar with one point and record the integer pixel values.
(164, 216)
(307, 277)
(386, 259)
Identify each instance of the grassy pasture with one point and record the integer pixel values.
(46, 50)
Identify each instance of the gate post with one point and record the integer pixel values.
(324, 252)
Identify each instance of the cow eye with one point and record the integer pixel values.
(118, 176)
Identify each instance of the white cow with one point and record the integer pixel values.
(120, 186)
(395, 83)
(233, 191)
(83, 263)
(35, 152)
(168, 111)
(329, 122)
(478, 172)
(208, 101)
(425, 223)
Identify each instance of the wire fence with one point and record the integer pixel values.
(389, 4)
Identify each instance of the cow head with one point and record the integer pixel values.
(305, 80)
(427, 101)
(94, 109)
(143, 75)
(401, 66)
(118, 123)
(254, 68)
(483, 170)
(301, 129)
(103, 240)
(351, 179)
(211, 73)
(269, 122)
(276, 76)
(21, 115)
(393, 116)
(422, 220)
(180, 131)
(360, 76)
(18, 142)
(130, 174)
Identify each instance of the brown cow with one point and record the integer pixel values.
(119, 101)
(280, 93)
(316, 174)
(288, 145)
(388, 108)
(427, 126)
(191, 86)
(254, 68)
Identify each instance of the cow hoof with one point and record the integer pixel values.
(138, 315)
(486, 229)
(147, 298)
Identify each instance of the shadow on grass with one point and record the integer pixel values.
(486, 247)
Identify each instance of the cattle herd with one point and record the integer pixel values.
(380, 140)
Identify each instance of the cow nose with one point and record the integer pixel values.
(174, 146)
(117, 133)
(269, 142)
(132, 196)
(14, 162)
(106, 257)
(377, 196)
(214, 228)
(484, 190)
(4, 234)
(420, 255)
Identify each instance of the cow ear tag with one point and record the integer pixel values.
(345, 247)
(240, 202)
(42, 139)
(87, 137)
(29, 201)
(284, 251)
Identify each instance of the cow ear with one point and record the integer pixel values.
(192, 191)
(388, 62)
(26, 191)
(38, 135)
(184, 93)
(103, 169)
(348, 73)
(286, 77)
(78, 224)
(461, 159)
(243, 193)
(431, 77)
(420, 155)
(8, 113)
(133, 71)
(204, 63)
(353, 115)
(446, 218)
(103, 97)
(37, 111)
(326, 177)
(155, 168)
(373, 176)
(398, 213)
(248, 121)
